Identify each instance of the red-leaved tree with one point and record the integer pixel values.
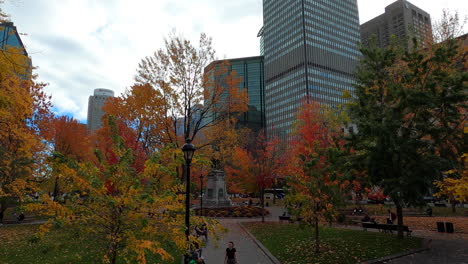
(256, 167)
(314, 180)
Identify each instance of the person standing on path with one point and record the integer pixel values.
(231, 257)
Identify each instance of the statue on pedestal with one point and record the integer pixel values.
(216, 193)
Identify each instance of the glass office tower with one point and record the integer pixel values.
(310, 51)
(10, 38)
(250, 70)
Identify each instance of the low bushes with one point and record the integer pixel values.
(235, 211)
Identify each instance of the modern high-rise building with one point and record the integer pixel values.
(262, 42)
(250, 70)
(10, 40)
(401, 19)
(95, 104)
(311, 53)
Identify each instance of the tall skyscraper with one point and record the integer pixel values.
(10, 38)
(311, 51)
(95, 104)
(250, 70)
(402, 19)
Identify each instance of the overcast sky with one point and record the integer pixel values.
(80, 45)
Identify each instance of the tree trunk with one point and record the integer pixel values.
(317, 241)
(56, 188)
(113, 258)
(454, 209)
(399, 219)
(262, 201)
(274, 195)
(3, 205)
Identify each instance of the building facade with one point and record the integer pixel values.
(401, 19)
(11, 41)
(250, 70)
(95, 104)
(311, 53)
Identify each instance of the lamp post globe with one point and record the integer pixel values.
(188, 148)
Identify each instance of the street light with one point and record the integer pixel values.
(201, 194)
(188, 148)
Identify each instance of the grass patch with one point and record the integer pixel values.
(59, 246)
(291, 243)
(381, 209)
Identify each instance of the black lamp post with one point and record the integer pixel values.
(188, 150)
(201, 194)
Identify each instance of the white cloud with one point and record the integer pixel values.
(80, 45)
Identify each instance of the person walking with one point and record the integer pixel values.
(231, 257)
(391, 217)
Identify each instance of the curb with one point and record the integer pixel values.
(273, 259)
(426, 246)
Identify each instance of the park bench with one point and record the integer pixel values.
(415, 214)
(385, 227)
(289, 218)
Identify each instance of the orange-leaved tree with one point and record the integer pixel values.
(313, 179)
(69, 138)
(256, 167)
(142, 108)
(24, 112)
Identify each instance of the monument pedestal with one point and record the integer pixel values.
(216, 193)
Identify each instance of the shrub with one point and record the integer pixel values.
(211, 213)
(341, 218)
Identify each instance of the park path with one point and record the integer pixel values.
(247, 251)
(444, 249)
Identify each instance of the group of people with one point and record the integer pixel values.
(390, 219)
(196, 254)
(19, 217)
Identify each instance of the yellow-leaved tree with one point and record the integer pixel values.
(137, 214)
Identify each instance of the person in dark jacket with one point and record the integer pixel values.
(231, 257)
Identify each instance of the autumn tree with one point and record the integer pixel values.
(256, 167)
(449, 26)
(408, 111)
(103, 140)
(141, 108)
(452, 144)
(135, 213)
(191, 99)
(24, 111)
(313, 179)
(70, 138)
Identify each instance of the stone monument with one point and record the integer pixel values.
(216, 193)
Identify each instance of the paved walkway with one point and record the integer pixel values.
(247, 251)
(444, 249)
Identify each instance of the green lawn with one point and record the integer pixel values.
(59, 246)
(380, 209)
(291, 243)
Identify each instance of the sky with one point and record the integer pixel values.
(80, 45)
